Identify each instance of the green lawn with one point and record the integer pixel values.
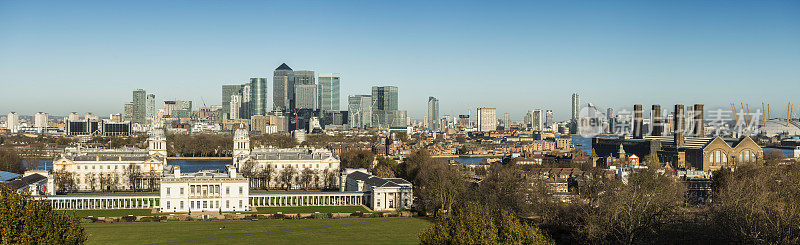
(311, 209)
(111, 212)
(310, 231)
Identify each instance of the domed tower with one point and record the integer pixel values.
(157, 143)
(241, 143)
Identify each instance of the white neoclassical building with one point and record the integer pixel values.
(299, 159)
(385, 194)
(204, 191)
(108, 169)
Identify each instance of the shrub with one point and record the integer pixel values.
(128, 218)
(320, 216)
(278, 216)
(357, 214)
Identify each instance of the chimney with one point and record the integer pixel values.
(176, 170)
(231, 171)
(678, 125)
(699, 129)
(637, 121)
(657, 124)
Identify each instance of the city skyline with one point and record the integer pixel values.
(710, 54)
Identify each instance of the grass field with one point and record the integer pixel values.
(311, 231)
(311, 209)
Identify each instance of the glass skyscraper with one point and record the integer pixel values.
(359, 110)
(384, 106)
(227, 92)
(328, 90)
(282, 87)
(258, 96)
(139, 106)
(433, 114)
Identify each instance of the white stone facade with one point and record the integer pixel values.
(204, 191)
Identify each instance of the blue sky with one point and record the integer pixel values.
(64, 56)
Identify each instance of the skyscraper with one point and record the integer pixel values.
(359, 109)
(328, 91)
(549, 120)
(537, 119)
(227, 92)
(127, 112)
(506, 121)
(282, 87)
(40, 120)
(139, 106)
(576, 101)
(246, 109)
(487, 119)
(384, 105)
(258, 96)
(306, 96)
(12, 121)
(433, 114)
(151, 106)
(234, 106)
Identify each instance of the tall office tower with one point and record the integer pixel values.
(506, 121)
(537, 119)
(359, 109)
(304, 77)
(73, 116)
(576, 101)
(151, 106)
(234, 106)
(433, 114)
(528, 120)
(12, 121)
(40, 120)
(328, 90)
(487, 119)
(282, 87)
(549, 120)
(227, 92)
(306, 96)
(139, 106)
(258, 96)
(384, 105)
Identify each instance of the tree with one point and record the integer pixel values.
(266, 173)
(24, 220)
(287, 176)
(306, 177)
(509, 187)
(439, 186)
(356, 159)
(247, 169)
(65, 182)
(652, 158)
(757, 204)
(385, 167)
(477, 224)
(10, 161)
(133, 173)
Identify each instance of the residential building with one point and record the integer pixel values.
(433, 114)
(139, 106)
(41, 120)
(537, 120)
(487, 119)
(576, 101)
(227, 92)
(12, 122)
(151, 106)
(258, 94)
(234, 106)
(172, 106)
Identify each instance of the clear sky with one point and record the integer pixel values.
(64, 56)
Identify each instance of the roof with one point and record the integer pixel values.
(284, 67)
(6, 176)
(25, 181)
(372, 180)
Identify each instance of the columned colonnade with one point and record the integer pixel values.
(103, 202)
(309, 199)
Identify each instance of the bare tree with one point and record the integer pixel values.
(316, 179)
(267, 172)
(133, 173)
(64, 181)
(306, 177)
(93, 182)
(287, 176)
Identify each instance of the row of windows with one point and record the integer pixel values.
(205, 204)
(205, 190)
(718, 157)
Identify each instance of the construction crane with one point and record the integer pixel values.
(735, 115)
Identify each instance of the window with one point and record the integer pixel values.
(227, 190)
(717, 157)
(167, 191)
(240, 203)
(191, 189)
(205, 204)
(181, 205)
(227, 203)
(191, 204)
(216, 203)
(181, 190)
(747, 156)
(241, 190)
(167, 204)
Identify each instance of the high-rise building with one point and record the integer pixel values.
(304, 78)
(537, 119)
(151, 106)
(306, 96)
(73, 116)
(549, 120)
(246, 109)
(178, 108)
(90, 116)
(487, 119)
(282, 87)
(235, 106)
(384, 106)
(576, 101)
(40, 120)
(328, 90)
(139, 101)
(359, 109)
(12, 122)
(258, 96)
(463, 121)
(227, 92)
(433, 114)
(127, 113)
(506, 121)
